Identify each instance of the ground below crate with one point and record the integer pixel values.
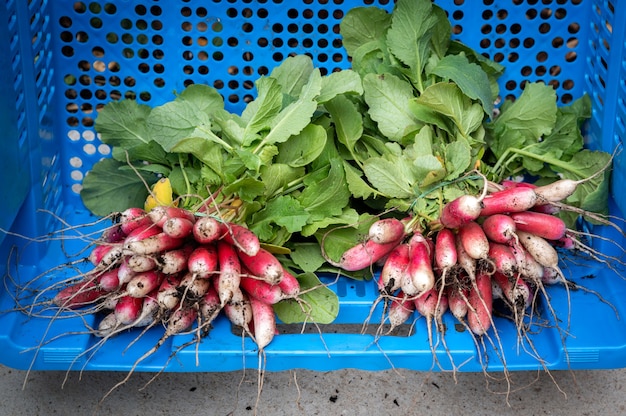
(343, 392)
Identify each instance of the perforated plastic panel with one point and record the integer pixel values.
(30, 158)
(65, 59)
(12, 115)
(605, 76)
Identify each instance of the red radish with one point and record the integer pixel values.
(124, 272)
(567, 242)
(546, 208)
(563, 188)
(542, 225)
(289, 285)
(153, 244)
(113, 234)
(445, 250)
(526, 264)
(496, 290)
(142, 232)
(515, 291)
(107, 326)
(224, 289)
(474, 240)
(181, 319)
(207, 230)
(550, 276)
(421, 277)
(78, 295)
(445, 255)
(263, 322)
(133, 218)
(202, 261)
(109, 280)
(263, 265)
(467, 263)
(363, 255)
(143, 283)
(509, 200)
(386, 230)
(229, 271)
(210, 307)
(261, 290)
(431, 249)
(128, 309)
(108, 302)
(178, 227)
(150, 310)
(96, 255)
(193, 286)
(109, 257)
(168, 294)
(458, 301)
(381, 261)
(460, 211)
(394, 270)
(160, 214)
(540, 249)
(528, 287)
(140, 263)
(400, 311)
(432, 305)
(245, 240)
(507, 183)
(556, 191)
(238, 310)
(503, 259)
(174, 261)
(499, 228)
(481, 304)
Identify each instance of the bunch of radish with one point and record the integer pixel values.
(174, 267)
(500, 245)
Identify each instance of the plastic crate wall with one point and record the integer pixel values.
(69, 58)
(31, 161)
(606, 82)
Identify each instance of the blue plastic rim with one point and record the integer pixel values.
(66, 59)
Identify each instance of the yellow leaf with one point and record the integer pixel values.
(161, 195)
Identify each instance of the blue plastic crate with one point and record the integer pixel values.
(65, 59)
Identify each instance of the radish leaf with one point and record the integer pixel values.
(393, 178)
(339, 83)
(531, 116)
(409, 36)
(284, 211)
(358, 187)
(326, 197)
(123, 124)
(302, 148)
(362, 25)
(320, 304)
(388, 99)
(107, 188)
(469, 77)
(347, 120)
